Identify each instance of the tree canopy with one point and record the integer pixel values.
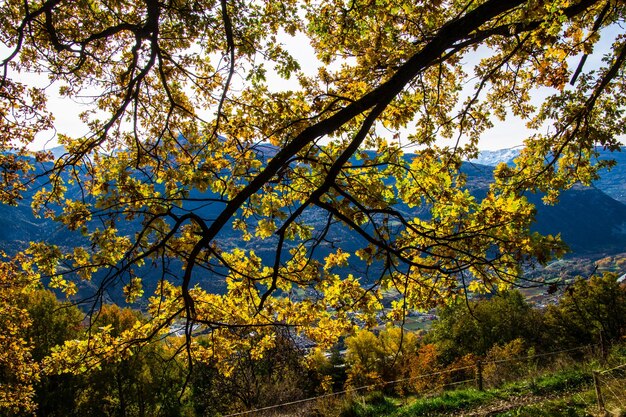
(184, 112)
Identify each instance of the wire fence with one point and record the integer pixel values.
(350, 391)
(484, 373)
(610, 387)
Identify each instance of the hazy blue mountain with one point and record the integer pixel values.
(57, 151)
(613, 183)
(590, 222)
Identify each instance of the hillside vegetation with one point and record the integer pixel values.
(567, 391)
(525, 356)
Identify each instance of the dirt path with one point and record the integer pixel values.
(502, 405)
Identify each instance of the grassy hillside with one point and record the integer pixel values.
(562, 392)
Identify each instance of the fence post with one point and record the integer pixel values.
(596, 383)
(479, 375)
(603, 347)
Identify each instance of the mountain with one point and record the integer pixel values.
(493, 158)
(57, 151)
(19, 225)
(612, 182)
(591, 222)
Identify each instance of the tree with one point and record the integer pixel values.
(426, 369)
(18, 370)
(255, 381)
(182, 107)
(587, 308)
(506, 362)
(495, 321)
(51, 324)
(376, 359)
(147, 382)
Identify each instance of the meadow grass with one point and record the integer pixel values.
(450, 402)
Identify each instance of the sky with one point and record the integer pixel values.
(506, 134)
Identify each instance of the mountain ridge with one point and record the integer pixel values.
(20, 222)
(591, 222)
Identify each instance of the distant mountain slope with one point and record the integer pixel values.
(493, 158)
(590, 222)
(613, 182)
(19, 225)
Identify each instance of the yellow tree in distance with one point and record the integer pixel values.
(182, 117)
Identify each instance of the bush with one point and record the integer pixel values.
(505, 363)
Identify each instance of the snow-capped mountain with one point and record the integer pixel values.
(493, 158)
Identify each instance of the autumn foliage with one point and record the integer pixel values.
(190, 105)
(156, 380)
